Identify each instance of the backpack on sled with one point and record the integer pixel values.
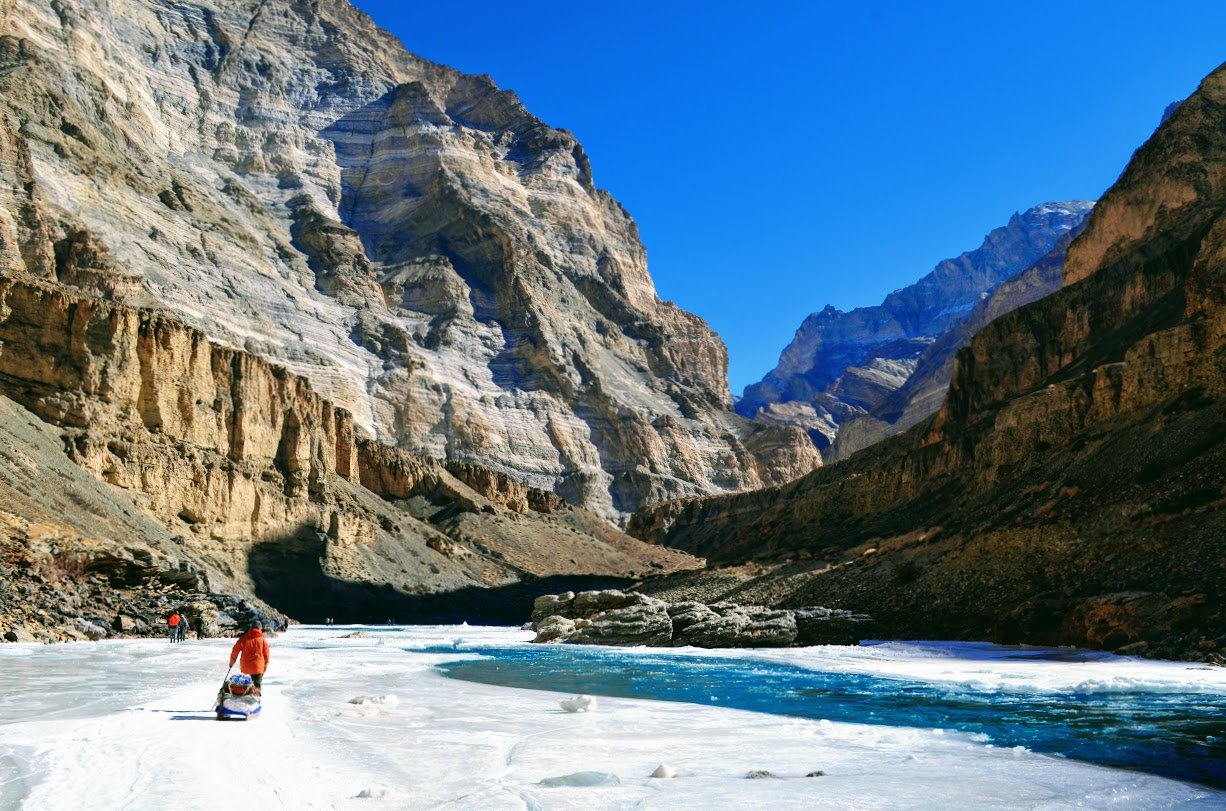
(238, 698)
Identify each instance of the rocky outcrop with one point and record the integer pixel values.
(411, 240)
(613, 617)
(1080, 453)
(259, 485)
(891, 362)
(80, 560)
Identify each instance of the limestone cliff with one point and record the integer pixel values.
(260, 484)
(1072, 487)
(843, 366)
(434, 259)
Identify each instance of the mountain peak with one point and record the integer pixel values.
(841, 365)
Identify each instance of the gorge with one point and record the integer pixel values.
(290, 314)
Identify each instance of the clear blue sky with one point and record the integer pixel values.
(781, 156)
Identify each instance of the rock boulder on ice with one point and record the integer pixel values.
(830, 626)
(727, 625)
(612, 617)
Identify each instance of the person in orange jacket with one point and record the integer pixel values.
(173, 621)
(253, 648)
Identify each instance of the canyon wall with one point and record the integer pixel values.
(433, 258)
(1071, 487)
(264, 486)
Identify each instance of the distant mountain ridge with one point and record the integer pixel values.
(841, 365)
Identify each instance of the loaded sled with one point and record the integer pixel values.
(238, 699)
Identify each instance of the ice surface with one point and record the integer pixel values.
(126, 724)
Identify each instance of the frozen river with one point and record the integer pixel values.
(439, 717)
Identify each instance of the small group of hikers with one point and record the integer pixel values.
(178, 627)
(250, 651)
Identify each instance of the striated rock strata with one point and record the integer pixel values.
(435, 260)
(260, 485)
(892, 362)
(613, 617)
(1072, 487)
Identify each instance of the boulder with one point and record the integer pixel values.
(612, 617)
(689, 613)
(553, 629)
(645, 622)
(548, 605)
(89, 630)
(830, 626)
(587, 603)
(124, 624)
(736, 626)
(203, 618)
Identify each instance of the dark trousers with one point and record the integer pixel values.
(257, 679)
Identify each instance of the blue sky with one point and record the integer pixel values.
(782, 156)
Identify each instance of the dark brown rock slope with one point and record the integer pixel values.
(1071, 488)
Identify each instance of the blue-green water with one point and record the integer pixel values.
(1181, 735)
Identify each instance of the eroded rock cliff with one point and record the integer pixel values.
(1072, 487)
(263, 486)
(434, 259)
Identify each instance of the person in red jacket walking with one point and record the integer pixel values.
(253, 648)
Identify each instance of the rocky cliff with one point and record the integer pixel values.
(435, 260)
(1072, 486)
(842, 366)
(223, 465)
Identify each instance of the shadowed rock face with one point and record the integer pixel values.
(411, 240)
(843, 366)
(1072, 486)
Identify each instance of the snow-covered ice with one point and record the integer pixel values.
(361, 723)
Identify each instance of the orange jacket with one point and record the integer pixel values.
(254, 649)
(174, 620)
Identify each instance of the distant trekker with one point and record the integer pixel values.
(253, 648)
(174, 622)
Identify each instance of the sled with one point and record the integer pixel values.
(238, 699)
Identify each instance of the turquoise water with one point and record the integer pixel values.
(1180, 735)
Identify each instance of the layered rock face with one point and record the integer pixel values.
(1072, 487)
(257, 485)
(430, 256)
(842, 366)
